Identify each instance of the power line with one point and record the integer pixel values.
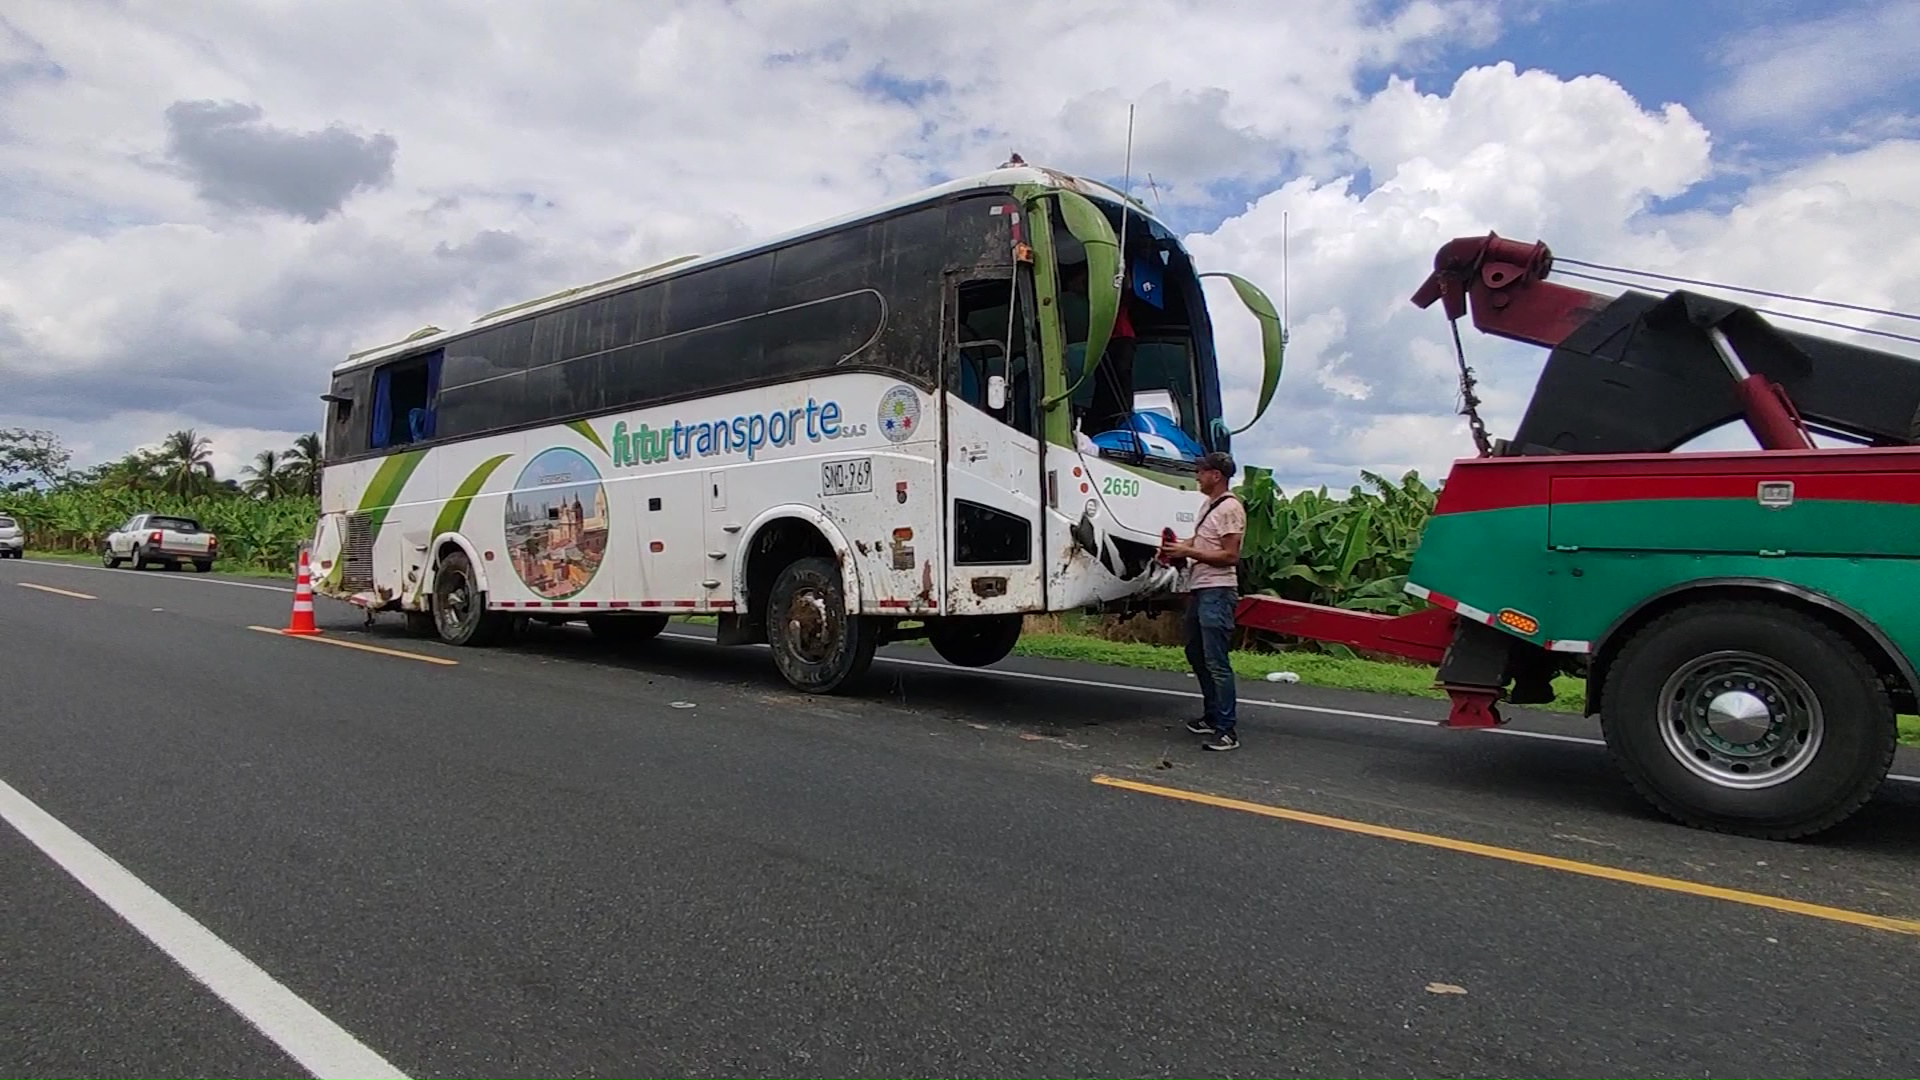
(1764, 311)
(1738, 288)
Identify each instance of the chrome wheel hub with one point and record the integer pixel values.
(1740, 720)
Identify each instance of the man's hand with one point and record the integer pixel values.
(1228, 555)
(1178, 549)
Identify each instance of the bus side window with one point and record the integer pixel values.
(403, 401)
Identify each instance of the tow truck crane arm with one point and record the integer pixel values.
(1640, 373)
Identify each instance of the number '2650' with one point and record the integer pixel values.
(1120, 485)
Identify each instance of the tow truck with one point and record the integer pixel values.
(1746, 620)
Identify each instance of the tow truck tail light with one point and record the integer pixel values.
(212, 540)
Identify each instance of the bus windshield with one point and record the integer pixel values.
(1154, 396)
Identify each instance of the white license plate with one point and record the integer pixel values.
(851, 477)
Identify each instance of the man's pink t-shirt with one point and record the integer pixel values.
(1228, 518)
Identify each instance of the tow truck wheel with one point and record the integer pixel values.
(1748, 717)
(459, 607)
(974, 640)
(817, 645)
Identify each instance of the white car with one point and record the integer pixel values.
(160, 538)
(13, 540)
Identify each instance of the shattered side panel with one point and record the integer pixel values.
(1096, 557)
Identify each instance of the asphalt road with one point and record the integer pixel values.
(530, 862)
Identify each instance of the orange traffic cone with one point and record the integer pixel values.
(302, 620)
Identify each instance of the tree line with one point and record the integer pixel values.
(261, 515)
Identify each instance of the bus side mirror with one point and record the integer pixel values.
(1273, 340)
(996, 392)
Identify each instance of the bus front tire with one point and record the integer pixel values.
(817, 645)
(1750, 718)
(460, 616)
(974, 640)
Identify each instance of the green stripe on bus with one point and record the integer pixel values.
(385, 487)
(454, 513)
(586, 432)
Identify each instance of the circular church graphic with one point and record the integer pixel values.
(557, 523)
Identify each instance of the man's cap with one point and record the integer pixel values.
(1220, 461)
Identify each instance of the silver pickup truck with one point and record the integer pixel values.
(160, 538)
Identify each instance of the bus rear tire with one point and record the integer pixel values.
(974, 640)
(816, 644)
(627, 629)
(460, 616)
(1749, 718)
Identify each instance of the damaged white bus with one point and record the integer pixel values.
(879, 427)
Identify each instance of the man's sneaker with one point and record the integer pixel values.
(1202, 726)
(1225, 740)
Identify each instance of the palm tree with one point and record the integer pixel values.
(188, 458)
(271, 475)
(139, 471)
(302, 464)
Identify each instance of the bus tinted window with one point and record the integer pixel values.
(501, 350)
(867, 295)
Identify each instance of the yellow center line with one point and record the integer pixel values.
(51, 589)
(422, 657)
(1529, 858)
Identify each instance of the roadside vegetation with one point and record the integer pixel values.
(260, 516)
(1350, 550)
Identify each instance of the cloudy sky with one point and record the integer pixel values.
(204, 205)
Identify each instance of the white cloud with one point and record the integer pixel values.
(1576, 163)
(1795, 73)
(538, 146)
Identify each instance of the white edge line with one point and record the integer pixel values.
(1285, 705)
(317, 1043)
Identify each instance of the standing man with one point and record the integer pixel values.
(1214, 592)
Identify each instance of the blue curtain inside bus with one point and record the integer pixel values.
(382, 407)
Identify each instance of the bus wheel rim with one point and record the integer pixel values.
(1740, 720)
(456, 602)
(810, 630)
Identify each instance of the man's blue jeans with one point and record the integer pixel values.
(1209, 634)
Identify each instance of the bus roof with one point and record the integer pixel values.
(421, 340)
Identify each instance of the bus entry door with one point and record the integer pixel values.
(994, 528)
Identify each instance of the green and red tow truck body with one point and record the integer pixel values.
(1748, 621)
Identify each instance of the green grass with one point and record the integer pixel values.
(220, 566)
(1314, 669)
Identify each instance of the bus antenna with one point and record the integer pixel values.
(1126, 191)
(1286, 319)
